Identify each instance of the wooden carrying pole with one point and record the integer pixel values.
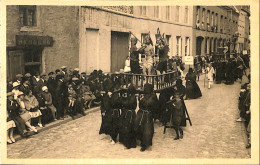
(136, 37)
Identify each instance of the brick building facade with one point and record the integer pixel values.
(41, 38)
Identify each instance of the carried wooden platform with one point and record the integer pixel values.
(160, 82)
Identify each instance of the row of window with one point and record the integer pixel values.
(156, 12)
(209, 20)
(178, 45)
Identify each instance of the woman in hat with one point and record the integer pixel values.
(24, 114)
(192, 88)
(144, 125)
(13, 114)
(15, 90)
(32, 106)
(127, 134)
(178, 109)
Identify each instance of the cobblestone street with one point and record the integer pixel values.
(214, 134)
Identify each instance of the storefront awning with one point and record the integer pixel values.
(31, 40)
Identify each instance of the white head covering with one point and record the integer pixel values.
(15, 84)
(44, 88)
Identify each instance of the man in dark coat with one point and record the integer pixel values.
(83, 77)
(51, 83)
(65, 74)
(43, 79)
(37, 84)
(60, 94)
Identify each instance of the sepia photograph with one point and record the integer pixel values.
(128, 82)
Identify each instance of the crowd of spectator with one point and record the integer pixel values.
(244, 108)
(38, 99)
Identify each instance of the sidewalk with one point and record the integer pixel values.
(58, 123)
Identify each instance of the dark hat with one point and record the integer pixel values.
(60, 75)
(57, 70)
(178, 82)
(131, 89)
(190, 70)
(51, 73)
(100, 71)
(148, 88)
(83, 73)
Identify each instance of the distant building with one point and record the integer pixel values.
(214, 26)
(243, 28)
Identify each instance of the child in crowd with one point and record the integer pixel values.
(48, 101)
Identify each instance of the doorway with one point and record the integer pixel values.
(198, 45)
(119, 50)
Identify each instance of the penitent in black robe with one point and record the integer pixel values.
(192, 88)
(127, 133)
(115, 114)
(106, 125)
(144, 120)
